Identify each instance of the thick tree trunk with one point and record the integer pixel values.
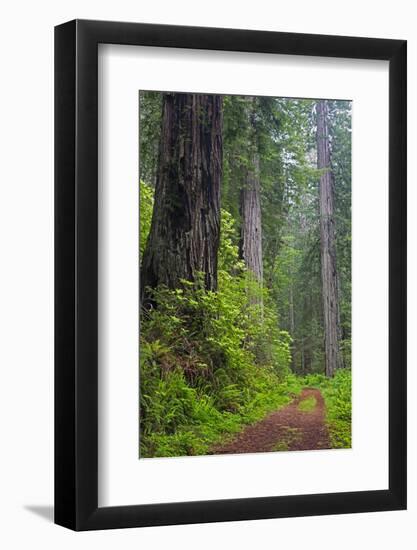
(185, 228)
(328, 246)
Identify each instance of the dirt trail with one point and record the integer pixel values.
(288, 429)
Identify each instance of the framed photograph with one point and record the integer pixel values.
(230, 284)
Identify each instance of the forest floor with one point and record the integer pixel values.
(298, 426)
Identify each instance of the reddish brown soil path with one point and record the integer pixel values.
(288, 429)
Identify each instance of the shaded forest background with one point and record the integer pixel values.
(245, 251)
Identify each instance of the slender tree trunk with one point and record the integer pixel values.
(291, 304)
(185, 228)
(327, 245)
(307, 355)
(292, 325)
(251, 230)
(302, 357)
(250, 208)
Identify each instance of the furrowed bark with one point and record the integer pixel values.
(329, 274)
(185, 227)
(250, 211)
(251, 230)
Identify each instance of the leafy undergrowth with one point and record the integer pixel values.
(337, 396)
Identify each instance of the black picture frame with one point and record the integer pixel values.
(76, 272)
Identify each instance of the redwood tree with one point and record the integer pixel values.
(185, 227)
(250, 205)
(329, 275)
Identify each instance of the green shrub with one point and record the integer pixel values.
(145, 213)
(339, 409)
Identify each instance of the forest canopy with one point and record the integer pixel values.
(245, 267)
